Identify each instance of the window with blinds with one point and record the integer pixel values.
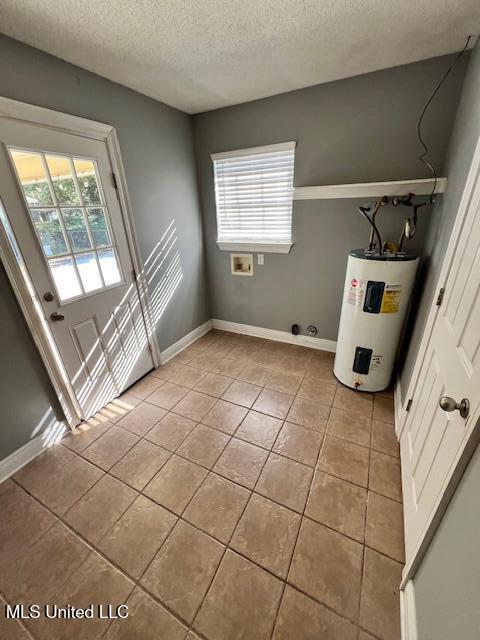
(254, 191)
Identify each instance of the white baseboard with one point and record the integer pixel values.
(31, 450)
(274, 334)
(408, 614)
(184, 342)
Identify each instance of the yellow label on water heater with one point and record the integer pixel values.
(391, 299)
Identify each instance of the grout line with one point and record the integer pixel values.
(79, 453)
(291, 559)
(98, 551)
(362, 573)
(302, 515)
(20, 622)
(298, 534)
(227, 546)
(384, 453)
(189, 625)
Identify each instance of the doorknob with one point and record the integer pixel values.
(48, 296)
(56, 316)
(449, 404)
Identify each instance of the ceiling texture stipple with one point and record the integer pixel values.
(201, 55)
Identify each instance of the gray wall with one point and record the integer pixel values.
(157, 148)
(462, 145)
(26, 396)
(447, 585)
(355, 130)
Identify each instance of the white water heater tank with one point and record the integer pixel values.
(375, 302)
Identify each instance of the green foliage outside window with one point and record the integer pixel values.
(46, 220)
(38, 193)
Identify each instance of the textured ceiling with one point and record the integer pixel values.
(202, 54)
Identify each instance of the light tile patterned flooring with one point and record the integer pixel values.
(238, 492)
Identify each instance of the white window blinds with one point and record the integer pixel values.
(254, 191)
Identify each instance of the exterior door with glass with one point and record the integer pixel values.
(60, 199)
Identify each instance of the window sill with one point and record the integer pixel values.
(256, 247)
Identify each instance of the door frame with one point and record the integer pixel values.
(462, 457)
(474, 170)
(34, 316)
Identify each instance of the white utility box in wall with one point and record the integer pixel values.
(241, 264)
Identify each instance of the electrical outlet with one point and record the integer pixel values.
(260, 259)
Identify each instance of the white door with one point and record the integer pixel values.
(434, 438)
(58, 194)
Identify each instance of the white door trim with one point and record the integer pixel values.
(446, 265)
(40, 331)
(132, 239)
(408, 614)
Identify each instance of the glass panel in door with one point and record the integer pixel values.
(67, 209)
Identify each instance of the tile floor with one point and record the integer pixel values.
(237, 492)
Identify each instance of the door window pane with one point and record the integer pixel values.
(71, 221)
(62, 179)
(87, 181)
(33, 179)
(49, 230)
(109, 266)
(98, 225)
(65, 277)
(89, 273)
(74, 221)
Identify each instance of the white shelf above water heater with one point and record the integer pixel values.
(420, 187)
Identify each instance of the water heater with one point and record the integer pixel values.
(375, 302)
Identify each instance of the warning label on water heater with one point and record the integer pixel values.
(391, 298)
(355, 295)
(356, 292)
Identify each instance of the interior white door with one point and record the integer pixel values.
(433, 438)
(61, 202)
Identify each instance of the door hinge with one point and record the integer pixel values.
(114, 181)
(441, 293)
(409, 404)
(149, 346)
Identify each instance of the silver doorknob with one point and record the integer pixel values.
(56, 316)
(449, 404)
